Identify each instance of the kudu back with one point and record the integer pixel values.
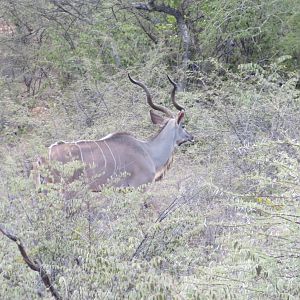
(120, 158)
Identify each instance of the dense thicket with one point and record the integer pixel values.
(224, 222)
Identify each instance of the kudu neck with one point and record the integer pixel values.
(161, 147)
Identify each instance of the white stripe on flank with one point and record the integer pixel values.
(92, 155)
(79, 151)
(102, 154)
(49, 152)
(86, 141)
(112, 156)
(54, 144)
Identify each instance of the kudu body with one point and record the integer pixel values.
(132, 162)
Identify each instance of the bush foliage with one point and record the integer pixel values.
(224, 221)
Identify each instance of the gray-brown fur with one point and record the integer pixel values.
(120, 157)
(103, 160)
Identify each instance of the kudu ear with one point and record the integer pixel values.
(180, 117)
(157, 119)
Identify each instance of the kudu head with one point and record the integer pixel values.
(175, 122)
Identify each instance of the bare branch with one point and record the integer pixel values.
(181, 23)
(148, 33)
(32, 264)
(77, 15)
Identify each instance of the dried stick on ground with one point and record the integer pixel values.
(33, 265)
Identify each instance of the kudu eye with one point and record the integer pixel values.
(182, 126)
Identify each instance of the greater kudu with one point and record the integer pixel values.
(120, 155)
